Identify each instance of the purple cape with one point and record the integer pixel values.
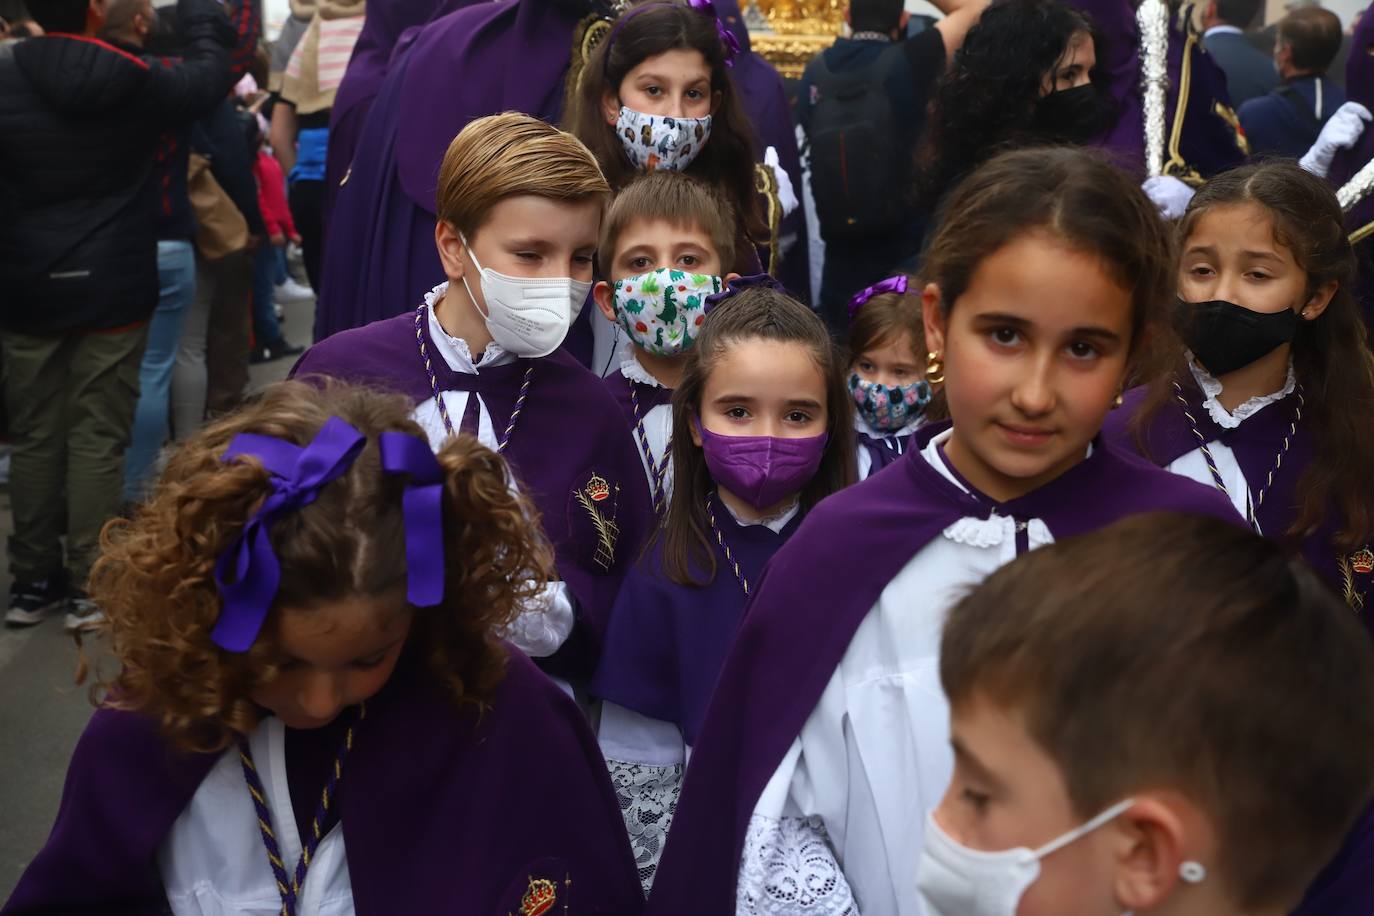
(884, 451)
(667, 642)
(508, 55)
(447, 810)
(1207, 143)
(568, 433)
(1359, 81)
(649, 396)
(800, 623)
(1256, 444)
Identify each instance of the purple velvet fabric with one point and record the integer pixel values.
(1256, 444)
(447, 809)
(569, 431)
(799, 625)
(667, 642)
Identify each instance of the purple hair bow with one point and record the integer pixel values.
(248, 573)
(739, 284)
(890, 285)
(727, 37)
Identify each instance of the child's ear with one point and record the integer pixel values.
(729, 278)
(451, 253)
(1150, 838)
(605, 297)
(610, 107)
(696, 433)
(932, 319)
(1316, 303)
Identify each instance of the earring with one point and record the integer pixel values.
(1119, 400)
(935, 368)
(1192, 872)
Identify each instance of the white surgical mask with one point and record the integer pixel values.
(958, 881)
(527, 316)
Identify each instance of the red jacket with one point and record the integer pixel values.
(276, 214)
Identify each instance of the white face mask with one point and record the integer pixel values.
(527, 316)
(659, 141)
(958, 881)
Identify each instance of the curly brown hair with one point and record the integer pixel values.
(155, 575)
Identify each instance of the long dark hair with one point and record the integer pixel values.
(727, 159)
(752, 314)
(1331, 356)
(987, 101)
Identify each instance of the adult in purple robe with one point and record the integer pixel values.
(814, 595)
(1359, 220)
(569, 434)
(385, 21)
(764, 95)
(447, 808)
(506, 55)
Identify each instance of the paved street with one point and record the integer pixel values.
(42, 711)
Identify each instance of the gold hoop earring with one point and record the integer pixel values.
(935, 368)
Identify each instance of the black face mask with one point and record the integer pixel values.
(1225, 337)
(1075, 115)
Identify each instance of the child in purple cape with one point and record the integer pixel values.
(664, 245)
(887, 371)
(826, 741)
(1200, 752)
(762, 431)
(313, 712)
(519, 206)
(1270, 401)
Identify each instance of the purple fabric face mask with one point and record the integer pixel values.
(761, 470)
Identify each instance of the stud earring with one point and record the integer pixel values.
(935, 368)
(1192, 872)
(1119, 400)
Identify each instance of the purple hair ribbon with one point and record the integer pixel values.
(423, 507)
(890, 285)
(248, 573)
(739, 284)
(706, 7)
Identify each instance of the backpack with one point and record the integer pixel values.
(858, 160)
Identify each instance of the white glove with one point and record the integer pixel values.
(1342, 131)
(544, 623)
(787, 195)
(1169, 194)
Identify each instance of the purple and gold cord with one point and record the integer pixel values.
(658, 471)
(725, 548)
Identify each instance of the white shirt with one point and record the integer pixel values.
(1193, 465)
(213, 861)
(846, 808)
(1221, 30)
(545, 625)
(863, 458)
(658, 427)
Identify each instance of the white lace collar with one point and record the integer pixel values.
(1211, 390)
(455, 350)
(861, 426)
(634, 370)
(982, 532)
(774, 523)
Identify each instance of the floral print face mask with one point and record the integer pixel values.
(662, 310)
(658, 142)
(888, 408)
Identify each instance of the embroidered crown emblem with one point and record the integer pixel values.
(597, 488)
(1362, 561)
(539, 897)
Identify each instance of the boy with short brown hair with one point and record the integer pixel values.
(1169, 716)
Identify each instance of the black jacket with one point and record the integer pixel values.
(80, 122)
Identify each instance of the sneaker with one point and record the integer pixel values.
(30, 601)
(274, 351)
(291, 291)
(82, 614)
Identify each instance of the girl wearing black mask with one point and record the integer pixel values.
(1271, 399)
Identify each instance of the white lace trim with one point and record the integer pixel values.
(789, 868)
(634, 370)
(648, 800)
(992, 531)
(455, 350)
(774, 523)
(1211, 388)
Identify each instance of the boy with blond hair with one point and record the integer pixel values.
(519, 207)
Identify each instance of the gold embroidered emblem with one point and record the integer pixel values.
(539, 897)
(1362, 561)
(1359, 563)
(592, 497)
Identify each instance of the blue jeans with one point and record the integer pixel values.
(176, 271)
(266, 267)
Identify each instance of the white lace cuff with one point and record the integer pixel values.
(648, 800)
(789, 868)
(544, 623)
